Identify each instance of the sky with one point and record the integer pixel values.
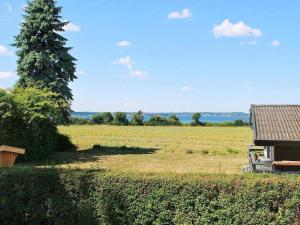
(173, 55)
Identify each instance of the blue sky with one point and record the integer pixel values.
(174, 56)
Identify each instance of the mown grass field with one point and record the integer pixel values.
(157, 149)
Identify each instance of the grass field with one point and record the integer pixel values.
(157, 149)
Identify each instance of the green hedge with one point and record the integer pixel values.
(51, 196)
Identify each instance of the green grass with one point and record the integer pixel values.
(157, 149)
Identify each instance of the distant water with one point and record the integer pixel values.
(187, 117)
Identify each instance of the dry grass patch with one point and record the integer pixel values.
(158, 149)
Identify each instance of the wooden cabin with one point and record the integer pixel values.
(276, 130)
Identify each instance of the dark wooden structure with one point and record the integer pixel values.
(277, 129)
(8, 155)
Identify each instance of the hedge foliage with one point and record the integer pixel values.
(28, 119)
(52, 196)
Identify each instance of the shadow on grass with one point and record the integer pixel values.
(94, 154)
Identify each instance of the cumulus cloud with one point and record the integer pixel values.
(239, 29)
(9, 7)
(123, 44)
(187, 88)
(138, 73)
(184, 14)
(71, 27)
(6, 75)
(5, 51)
(127, 61)
(275, 43)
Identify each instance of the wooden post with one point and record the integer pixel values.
(8, 155)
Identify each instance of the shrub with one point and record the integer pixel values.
(137, 119)
(97, 118)
(173, 120)
(28, 119)
(238, 123)
(120, 119)
(107, 118)
(51, 196)
(79, 121)
(196, 119)
(157, 120)
(232, 150)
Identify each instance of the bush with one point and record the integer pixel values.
(120, 119)
(173, 120)
(97, 118)
(28, 119)
(232, 150)
(238, 123)
(79, 121)
(157, 121)
(50, 196)
(107, 118)
(137, 119)
(196, 119)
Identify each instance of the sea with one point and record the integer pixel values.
(185, 117)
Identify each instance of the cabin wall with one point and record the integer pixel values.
(288, 153)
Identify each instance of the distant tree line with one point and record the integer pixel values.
(138, 119)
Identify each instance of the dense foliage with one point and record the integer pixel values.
(137, 119)
(28, 119)
(107, 117)
(97, 119)
(50, 196)
(120, 119)
(44, 60)
(196, 119)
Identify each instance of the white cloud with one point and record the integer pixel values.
(240, 29)
(5, 51)
(6, 75)
(187, 88)
(127, 61)
(9, 7)
(71, 27)
(138, 73)
(184, 14)
(123, 44)
(275, 43)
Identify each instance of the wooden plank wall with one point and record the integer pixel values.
(7, 159)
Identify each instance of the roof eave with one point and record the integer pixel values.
(260, 142)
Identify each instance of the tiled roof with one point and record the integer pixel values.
(279, 123)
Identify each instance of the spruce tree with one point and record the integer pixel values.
(44, 60)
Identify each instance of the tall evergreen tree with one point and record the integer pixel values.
(44, 60)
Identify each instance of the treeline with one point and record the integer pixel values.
(138, 119)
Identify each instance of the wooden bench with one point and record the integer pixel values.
(8, 155)
(287, 165)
